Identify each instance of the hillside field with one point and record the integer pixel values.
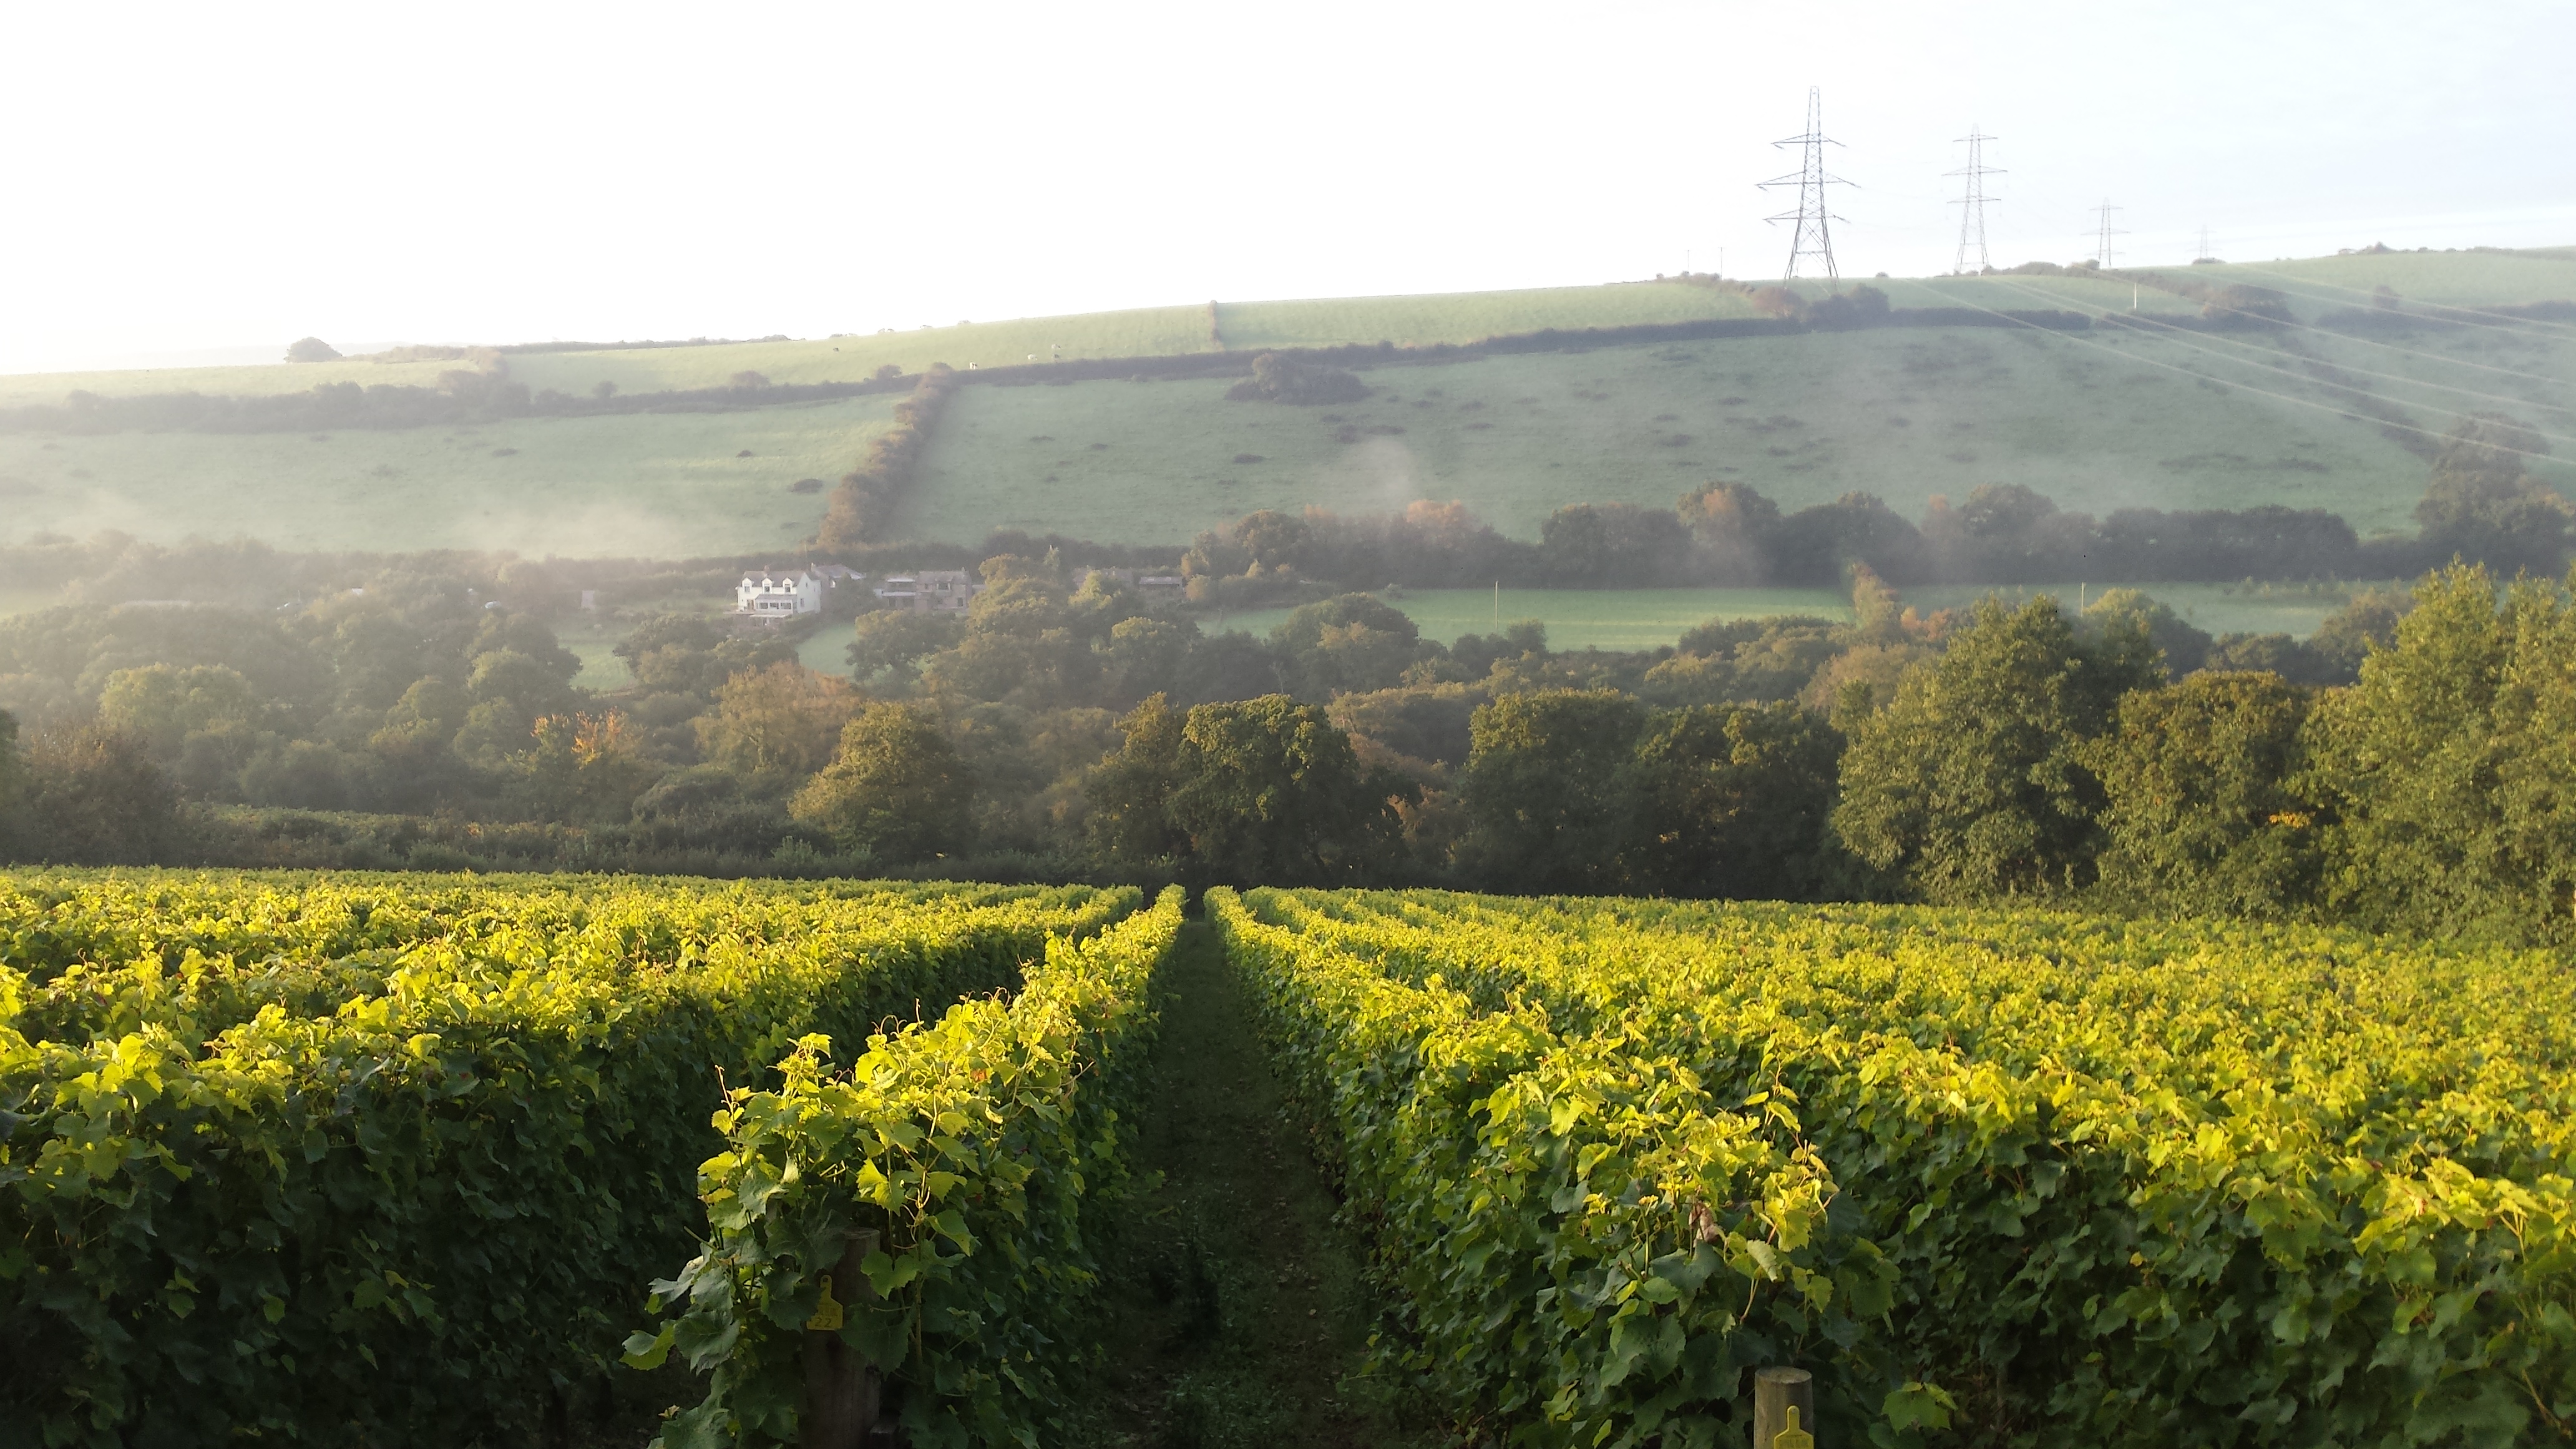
(1903, 414)
(654, 484)
(2097, 420)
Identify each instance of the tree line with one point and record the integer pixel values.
(2397, 768)
(2482, 503)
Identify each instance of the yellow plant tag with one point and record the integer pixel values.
(1793, 1437)
(827, 1311)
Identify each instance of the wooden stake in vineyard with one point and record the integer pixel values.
(841, 1387)
(1784, 1409)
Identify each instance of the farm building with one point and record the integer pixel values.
(932, 591)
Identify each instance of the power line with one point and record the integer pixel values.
(2149, 319)
(2204, 254)
(2436, 357)
(2182, 335)
(2409, 352)
(2505, 320)
(1814, 237)
(1972, 217)
(2247, 387)
(2103, 233)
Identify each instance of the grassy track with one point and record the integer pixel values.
(656, 484)
(1238, 1317)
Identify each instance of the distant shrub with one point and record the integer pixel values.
(1285, 380)
(748, 378)
(312, 349)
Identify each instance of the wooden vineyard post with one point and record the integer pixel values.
(1784, 1409)
(840, 1410)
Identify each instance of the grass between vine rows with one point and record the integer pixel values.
(1234, 1313)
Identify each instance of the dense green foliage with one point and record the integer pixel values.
(1581, 1244)
(382, 1157)
(985, 1150)
(2082, 1181)
(2446, 776)
(1972, 782)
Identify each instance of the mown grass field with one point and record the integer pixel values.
(650, 485)
(1652, 618)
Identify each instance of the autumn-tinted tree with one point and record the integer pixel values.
(1972, 783)
(2202, 818)
(782, 721)
(895, 791)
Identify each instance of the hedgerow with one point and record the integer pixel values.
(386, 1159)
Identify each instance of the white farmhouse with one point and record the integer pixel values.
(775, 596)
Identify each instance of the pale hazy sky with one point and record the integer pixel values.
(185, 177)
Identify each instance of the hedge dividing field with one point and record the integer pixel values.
(2023, 1177)
(392, 1159)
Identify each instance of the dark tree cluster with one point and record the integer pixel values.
(2483, 505)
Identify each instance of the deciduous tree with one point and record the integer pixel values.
(1972, 783)
(895, 791)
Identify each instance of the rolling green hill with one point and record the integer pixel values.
(1804, 419)
(670, 485)
(2097, 420)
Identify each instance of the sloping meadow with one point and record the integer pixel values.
(2066, 1180)
(392, 1159)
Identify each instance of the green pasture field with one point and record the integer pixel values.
(2481, 278)
(2088, 420)
(1147, 332)
(595, 637)
(2316, 283)
(1639, 619)
(1620, 619)
(2098, 421)
(245, 380)
(666, 485)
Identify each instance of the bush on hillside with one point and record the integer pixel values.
(1285, 380)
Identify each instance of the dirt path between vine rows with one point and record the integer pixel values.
(1234, 1312)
